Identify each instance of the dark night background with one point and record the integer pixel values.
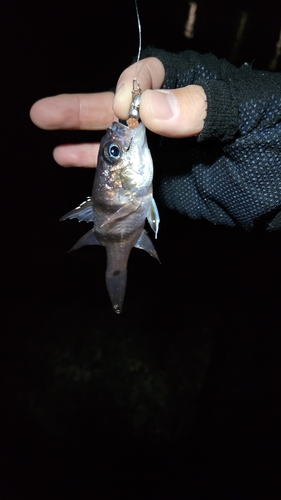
(178, 397)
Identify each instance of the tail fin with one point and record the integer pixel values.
(116, 287)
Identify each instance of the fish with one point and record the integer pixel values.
(121, 201)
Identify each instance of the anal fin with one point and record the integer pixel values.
(88, 239)
(145, 243)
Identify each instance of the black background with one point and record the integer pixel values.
(202, 330)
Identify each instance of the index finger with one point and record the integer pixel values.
(74, 111)
(150, 73)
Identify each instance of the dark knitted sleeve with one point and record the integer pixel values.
(232, 173)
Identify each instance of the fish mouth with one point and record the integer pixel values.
(120, 131)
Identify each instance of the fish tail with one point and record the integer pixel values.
(116, 286)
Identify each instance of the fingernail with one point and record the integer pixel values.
(119, 91)
(163, 104)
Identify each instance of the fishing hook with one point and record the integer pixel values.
(134, 114)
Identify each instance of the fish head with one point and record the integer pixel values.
(124, 163)
(124, 135)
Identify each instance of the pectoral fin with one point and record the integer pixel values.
(125, 210)
(88, 239)
(83, 212)
(145, 243)
(153, 216)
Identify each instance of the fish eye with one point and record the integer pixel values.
(112, 152)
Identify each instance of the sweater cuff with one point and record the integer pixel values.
(222, 115)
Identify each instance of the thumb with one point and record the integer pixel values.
(174, 113)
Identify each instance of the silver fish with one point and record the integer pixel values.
(121, 201)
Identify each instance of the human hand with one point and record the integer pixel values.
(172, 113)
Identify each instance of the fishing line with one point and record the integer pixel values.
(134, 115)
(139, 28)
